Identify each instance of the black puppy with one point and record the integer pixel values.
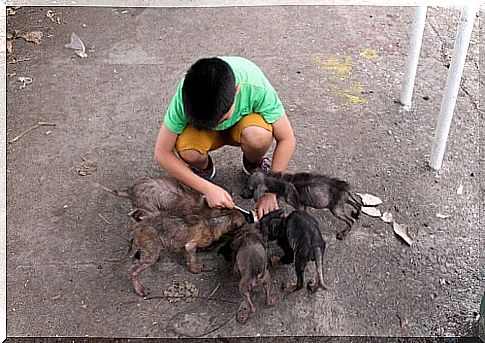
(304, 189)
(301, 240)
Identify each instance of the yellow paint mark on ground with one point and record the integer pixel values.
(369, 53)
(353, 94)
(339, 69)
(335, 65)
(354, 99)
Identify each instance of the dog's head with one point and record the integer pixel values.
(272, 224)
(225, 220)
(255, 187)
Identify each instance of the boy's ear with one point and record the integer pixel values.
(238, 88)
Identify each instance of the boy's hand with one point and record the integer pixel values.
(266, 204)
(218, 197)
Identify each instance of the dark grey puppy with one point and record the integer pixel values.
(304, 189)
(250, 258)
(151, 195)
(299, 236)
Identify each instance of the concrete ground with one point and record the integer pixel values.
(338, 71)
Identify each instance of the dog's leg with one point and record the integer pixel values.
(355, 214)
(146, 260)
(355, 203)
(338, 212)
(300, 265)
(269, 289)
(288, 256)
(247, 307)
(314, 286)
(192, 263)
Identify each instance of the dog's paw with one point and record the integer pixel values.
(243, 314)
(243, 317)
(341, 235)
(195, 267)
(275, 261)
(313, 286)
(289, 287)
(142, 291)
(271, 300)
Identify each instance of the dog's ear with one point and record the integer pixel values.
(259, 192)
(275, 228)
(277, 174)
(271, 224)
(246, 193)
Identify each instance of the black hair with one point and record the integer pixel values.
(208, 92)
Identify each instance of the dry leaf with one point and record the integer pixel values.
(402, 231)
(387, 217)
(371, 211)
(87, 167)
(369, 199)
(177, 291)
(32, 36)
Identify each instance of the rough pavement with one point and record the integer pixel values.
(338, 71)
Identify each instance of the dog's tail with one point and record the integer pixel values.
(356, 204)
(121, 194)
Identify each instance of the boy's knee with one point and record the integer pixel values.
(256, 137)
(191, 156)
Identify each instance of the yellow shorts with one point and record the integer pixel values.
(205, 141)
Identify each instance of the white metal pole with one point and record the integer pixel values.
(448, 102)
(413, 56)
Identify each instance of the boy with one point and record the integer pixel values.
(223, 101)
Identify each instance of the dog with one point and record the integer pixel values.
(299, 236)
(304, 189)
(151, 195)
(248, 250)
(177, 229)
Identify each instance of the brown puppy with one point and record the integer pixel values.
(250, 262)
(177, 230)
(151, 195)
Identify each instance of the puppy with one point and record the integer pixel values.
(151, 195)
(304, 189)
(250, 262)
(301, 240)
(177, 230)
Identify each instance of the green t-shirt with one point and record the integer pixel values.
(256, 95)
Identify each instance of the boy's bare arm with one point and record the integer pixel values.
(166, 158)
(285, 144)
